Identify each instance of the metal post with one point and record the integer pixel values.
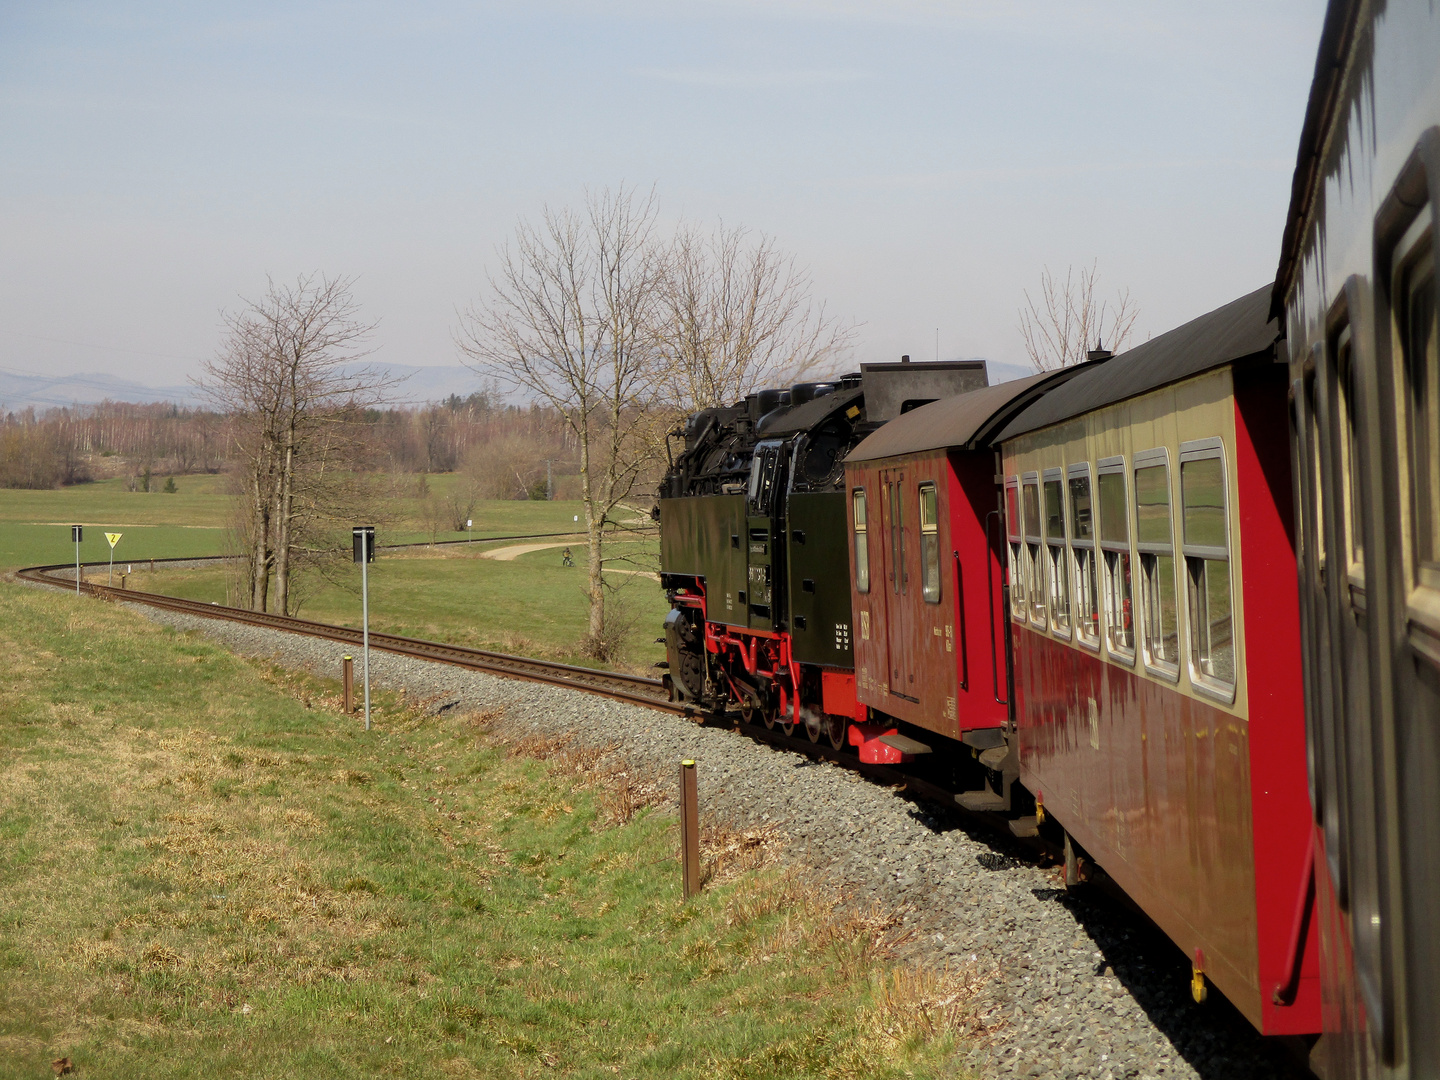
(689, 830)
(365, 627)
(362, 538)
(77, 532)
(347, 682)
(112, 565)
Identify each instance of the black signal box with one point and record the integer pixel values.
(362, 539)
(76, 534)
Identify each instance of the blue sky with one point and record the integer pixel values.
(924, 160)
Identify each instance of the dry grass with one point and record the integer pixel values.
(208, 870)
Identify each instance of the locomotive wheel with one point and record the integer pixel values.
(814, 725)
(768, 716)
(787, 722)
(835, 730)
(747, 710)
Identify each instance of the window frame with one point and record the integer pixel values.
(1015, 538)
(860, 537)
(1415, 248)
(1156, 457)
(1209, 449)
(1057, 558)
(1074, 471)
(1347, 442)
(929, 542)
(1034, 544)
(1109, 466)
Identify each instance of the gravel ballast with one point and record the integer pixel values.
(1081, 986)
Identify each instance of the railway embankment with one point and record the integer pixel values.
(207, 869)
(1050, 983)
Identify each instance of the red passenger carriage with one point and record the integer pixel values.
(1159, 709)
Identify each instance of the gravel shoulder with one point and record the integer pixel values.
(1077, 986)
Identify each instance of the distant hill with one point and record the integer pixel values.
(19, 390)
(417, 386)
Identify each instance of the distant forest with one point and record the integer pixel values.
(503, 448)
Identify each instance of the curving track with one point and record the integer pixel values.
(635, 689)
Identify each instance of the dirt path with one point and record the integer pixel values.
(514, 551)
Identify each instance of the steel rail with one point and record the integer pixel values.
(634, 689)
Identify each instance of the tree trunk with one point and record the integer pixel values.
(284, 512)
(595, 582)
(259, 548)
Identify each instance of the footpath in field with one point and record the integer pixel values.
(206, 870)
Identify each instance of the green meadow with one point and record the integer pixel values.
(206, 869)
(531, 604)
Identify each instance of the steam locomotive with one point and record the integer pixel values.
(1178, 608)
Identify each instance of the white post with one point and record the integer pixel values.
(77, 564)
(365, 624)
(112, 566)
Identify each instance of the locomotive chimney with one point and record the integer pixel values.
(905, 359)
(1099, 352)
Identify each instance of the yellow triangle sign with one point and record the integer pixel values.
(114, 538)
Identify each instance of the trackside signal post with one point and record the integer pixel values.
(114, 539)
(362, 539)
(76, 532)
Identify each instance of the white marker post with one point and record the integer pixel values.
(114, 539)
(76, 532)
(362, 539)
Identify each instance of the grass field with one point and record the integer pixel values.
(35, 525)
(205, 870)
(531, 605)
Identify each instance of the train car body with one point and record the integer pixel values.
(1158, 710)
(925, 581)
(753, 544)
(1356, 288)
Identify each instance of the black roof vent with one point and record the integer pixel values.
(1099, 352)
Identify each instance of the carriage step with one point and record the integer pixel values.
(983, 738)
(979, 801)
(905, 744)
(1025, 826)
(994, 758)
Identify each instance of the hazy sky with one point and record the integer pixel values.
(924, 160)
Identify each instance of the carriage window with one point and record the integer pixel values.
(1034, 566)
(1082, 554)
(1205, 544)
(1056, 565)
(1115, 550)
(862, 542)
(1159, 623)
(1422, 402)
(1017, 548)
(929, 544)
(1350, 458)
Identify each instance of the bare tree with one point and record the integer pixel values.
(1070, 319)
(281, 375)
(569, 323)
(735, 313)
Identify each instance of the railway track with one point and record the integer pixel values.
(635, 689)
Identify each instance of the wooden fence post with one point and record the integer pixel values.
(689, 829)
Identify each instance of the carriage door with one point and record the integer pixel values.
(900, 620)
